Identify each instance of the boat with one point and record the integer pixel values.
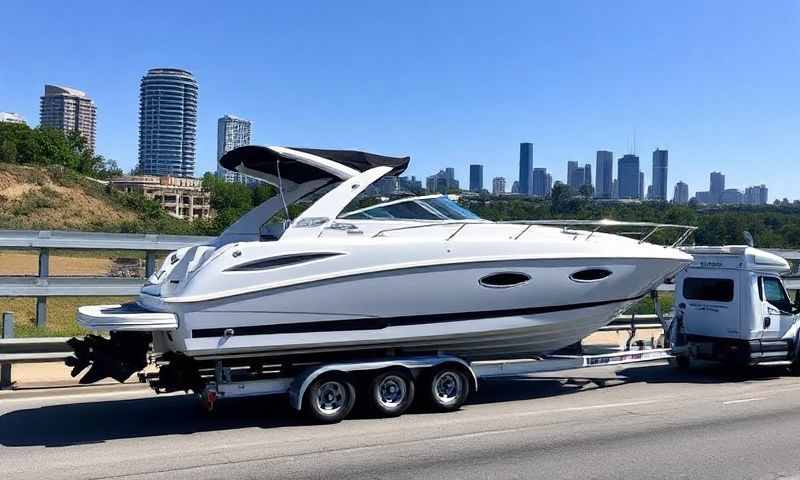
(413, 276)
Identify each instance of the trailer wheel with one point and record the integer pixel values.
(330, 399)
(448, 388)
(391, 393)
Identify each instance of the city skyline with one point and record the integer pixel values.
(480, 96)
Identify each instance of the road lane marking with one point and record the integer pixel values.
(588, 407)
(743, 400)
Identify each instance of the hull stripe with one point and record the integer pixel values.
(385, 322)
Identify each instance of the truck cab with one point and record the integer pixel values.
(731, 306)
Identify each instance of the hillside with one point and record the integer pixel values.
(56, 198)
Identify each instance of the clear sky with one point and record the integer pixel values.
(449, 83)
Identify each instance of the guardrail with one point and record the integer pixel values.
(37, 350)
(43, 285)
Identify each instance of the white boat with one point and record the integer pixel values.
(415, 276)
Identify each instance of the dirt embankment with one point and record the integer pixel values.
(37, 198)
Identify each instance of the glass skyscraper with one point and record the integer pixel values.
(605, 174)
(475, 178)
(525, 168)
(628, 175)
(660, 166)
(167, 122)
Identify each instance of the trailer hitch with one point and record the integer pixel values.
(119, 356)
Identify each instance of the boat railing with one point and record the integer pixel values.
(647, 229)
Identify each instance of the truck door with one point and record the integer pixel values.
(777, 308)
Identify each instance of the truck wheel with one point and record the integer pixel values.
(794, 368)
(391, 393)
(680, 362)
(330, 399)
(448, 388)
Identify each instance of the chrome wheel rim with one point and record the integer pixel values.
(331, 398)
(447, 387)
(391, 391)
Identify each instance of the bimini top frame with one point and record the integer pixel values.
(296, 166)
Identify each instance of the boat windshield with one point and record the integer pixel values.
(415, 208)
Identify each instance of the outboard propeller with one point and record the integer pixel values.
(117, 357)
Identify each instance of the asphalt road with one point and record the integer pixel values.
(643, 421)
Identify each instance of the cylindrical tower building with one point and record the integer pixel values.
(167, 122)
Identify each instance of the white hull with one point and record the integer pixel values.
(483, 339)
(431, 309)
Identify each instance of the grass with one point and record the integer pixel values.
(646, 305)
(60, 314)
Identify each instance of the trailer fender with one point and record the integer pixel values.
(302, 381)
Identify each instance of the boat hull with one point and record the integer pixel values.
(433, 309)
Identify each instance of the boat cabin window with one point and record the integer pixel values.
(405, 210)
(775, 294)
(450, 209)
(435, 207)
(708, 289)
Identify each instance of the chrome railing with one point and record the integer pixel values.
(568, 226)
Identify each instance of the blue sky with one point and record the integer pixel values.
(449, 83)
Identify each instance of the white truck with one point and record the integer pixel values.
(731, 306)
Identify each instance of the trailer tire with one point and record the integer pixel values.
(448, 388)
(391, 392)
(330, 398)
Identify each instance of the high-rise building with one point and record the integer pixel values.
(641, 185)
(68, 109)
(756, 195)
(628, 176)
(605, 174)
(525, 168)
(540, 187)
(442, 182)
(515, 187)
(717, 186)
(577, 178)
(167, 122)
(548, 185)
(681, 195)
(10, 117)
(475, 178)
(409, 184)
(660, 167)
(498, 186)
(571, 167)
(232, 132)
(587, 174)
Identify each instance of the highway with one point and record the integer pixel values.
(642, 421)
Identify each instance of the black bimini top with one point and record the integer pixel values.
(265, 160)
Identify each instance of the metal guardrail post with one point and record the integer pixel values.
(150, 264)
(44, 272)
(6, 332)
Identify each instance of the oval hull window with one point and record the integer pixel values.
(504, 280)
(590, 275)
